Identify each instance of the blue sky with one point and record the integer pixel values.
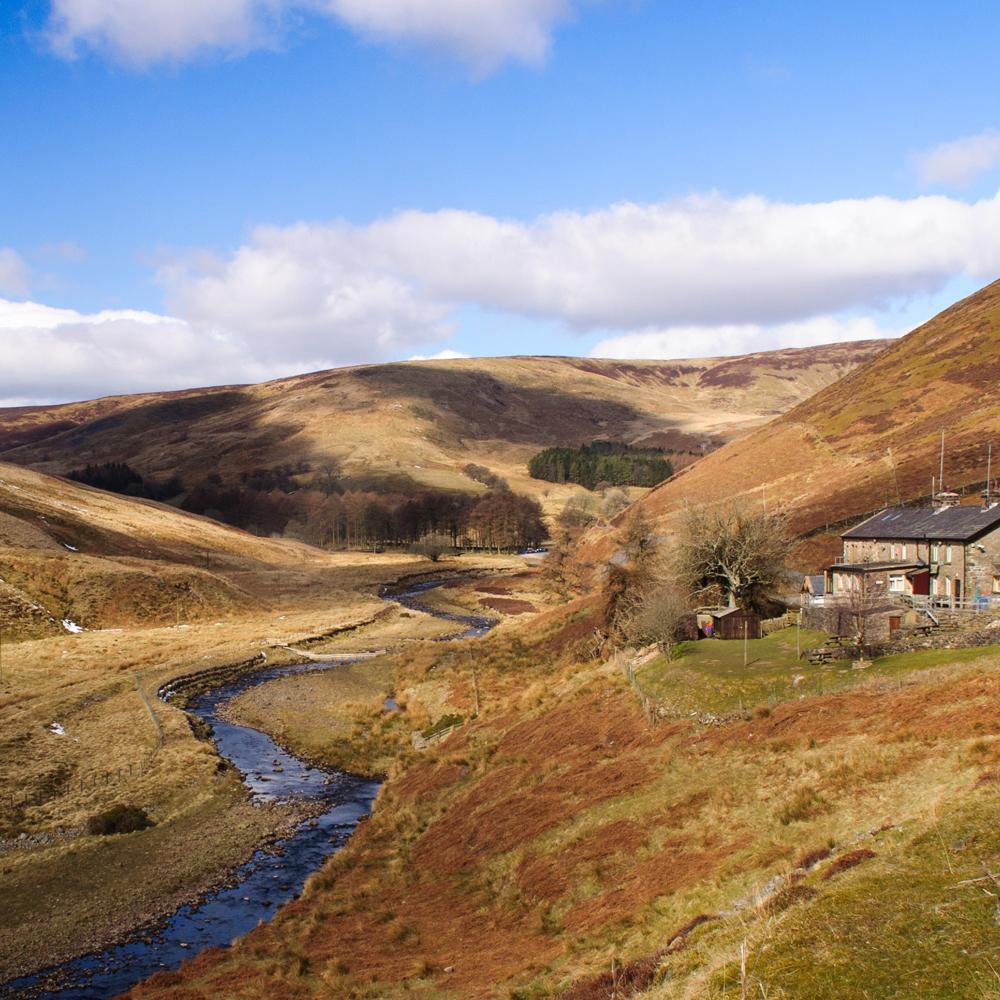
(236, 195)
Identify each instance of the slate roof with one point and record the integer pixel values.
(951, 524)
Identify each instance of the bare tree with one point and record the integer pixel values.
(865, 599)
(578, 513)
(740, 551)
(631, 574)
(613, 502)
(657, 616)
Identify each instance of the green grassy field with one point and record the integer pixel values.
(711, 675)
(924, 896)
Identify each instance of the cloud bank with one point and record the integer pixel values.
(49, 354)
(960, 162)
(745, 338)
(703, 275)
(703, 261)
(483, 34)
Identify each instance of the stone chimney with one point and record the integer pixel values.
(946, 499)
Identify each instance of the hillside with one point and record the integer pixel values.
(414, 426)
(563, 844)
(96, 559)
(874, 436)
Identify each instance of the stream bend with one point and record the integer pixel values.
(272, 877)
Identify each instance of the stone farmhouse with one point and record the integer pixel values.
(947, 554)
(905, 567)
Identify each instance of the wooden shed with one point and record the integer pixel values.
(734, 623)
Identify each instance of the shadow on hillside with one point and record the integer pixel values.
(475, 404)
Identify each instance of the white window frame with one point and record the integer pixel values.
(897, 583)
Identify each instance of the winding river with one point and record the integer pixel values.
(271, 878)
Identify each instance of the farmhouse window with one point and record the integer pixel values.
(896, 583)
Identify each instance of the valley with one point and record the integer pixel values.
(409, 428)
(554, 812)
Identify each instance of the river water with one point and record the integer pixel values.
(271, 878)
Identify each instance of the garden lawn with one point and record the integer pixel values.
(710, 676)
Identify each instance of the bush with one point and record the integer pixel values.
(118, 819)
(805, 803)
(433, 547)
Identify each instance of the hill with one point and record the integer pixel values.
(871, 438)
(76, 555)
(414, 426)
(562, 843)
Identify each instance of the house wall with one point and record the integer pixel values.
(866, 550)
(843, 582)
(976, 566)
(982, 566)
(947, 565)
(836, 619)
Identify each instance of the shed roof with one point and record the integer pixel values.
(958, 524)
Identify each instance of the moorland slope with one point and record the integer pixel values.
(71, 555)
(562, 844)
(873, 437)
(414, 426)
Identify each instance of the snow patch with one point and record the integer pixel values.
(72, 548)
(71, 626)
(56, 729)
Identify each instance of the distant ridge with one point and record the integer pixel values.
(417, 425)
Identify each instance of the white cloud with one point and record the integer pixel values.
(15, 276)
(961, 161)
(747, 338)
(700, 261)
(147, 31)
(305, 292)
(49, 354)
(698, 276)
(481, 33)
(446, 355)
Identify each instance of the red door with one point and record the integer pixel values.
(958, 592)
(921, 583)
